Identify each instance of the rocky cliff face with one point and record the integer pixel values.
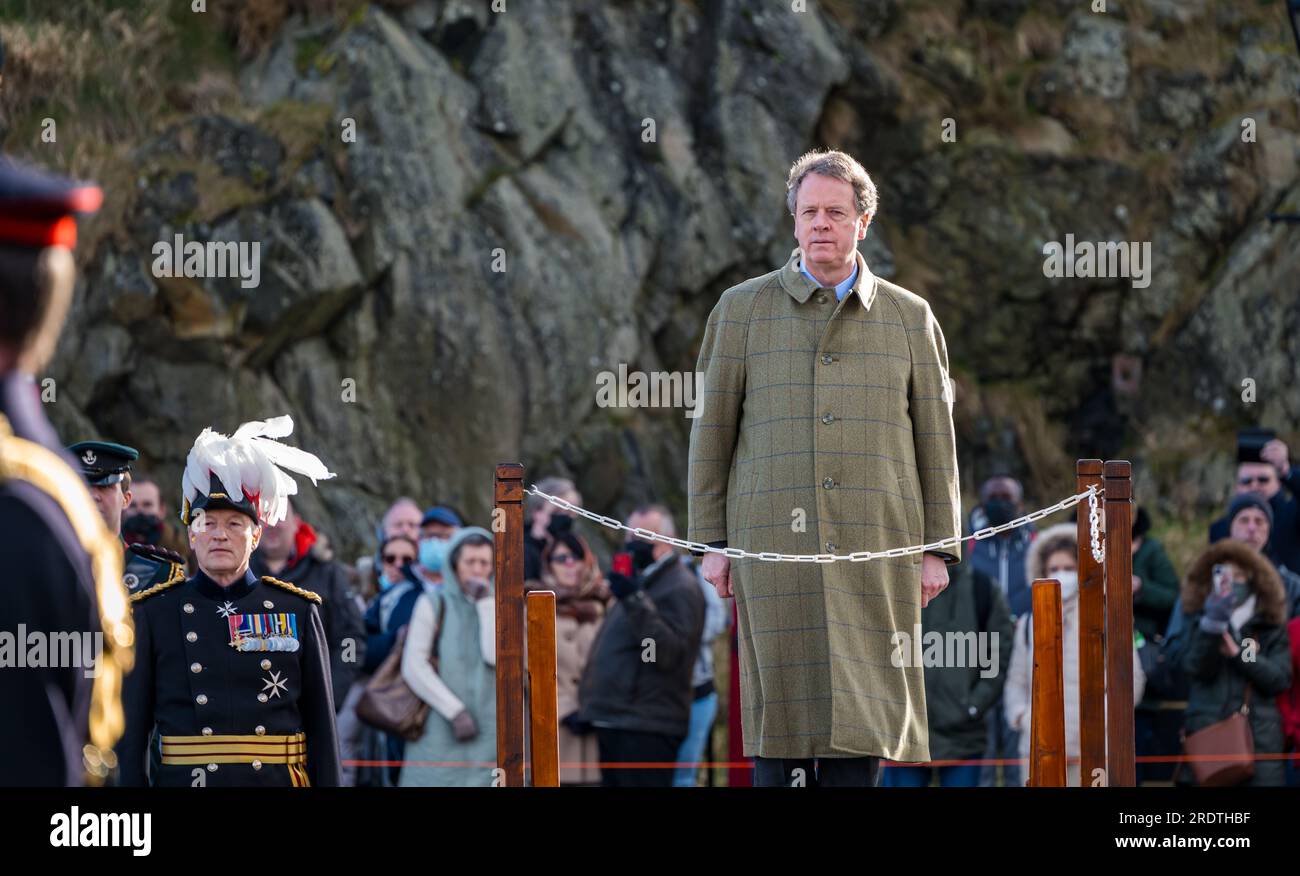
(440, 293)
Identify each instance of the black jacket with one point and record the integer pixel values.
(345, 634)
(189, 682)
(971, 604)
(638, 676)
(48, 587)
(1217, 684)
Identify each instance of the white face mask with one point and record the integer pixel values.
(1069, 584)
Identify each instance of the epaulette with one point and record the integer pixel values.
(154, 552)
(285, 585)
(178, 575)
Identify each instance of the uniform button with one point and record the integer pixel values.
(257, 764)
(266, 664)
(207, 731)
(188, 608)
(821, 299)
(268, 604)
(261, 698)
(826, 359)
(212, 767)
(196, 667)
(260, 731)
(830, 545)
(828, 483)
(201, 699)
(828, 418)
(191, 636)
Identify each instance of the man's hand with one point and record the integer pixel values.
(934, 577)
(476, 589)
(1137, 584)
(1229, 647)
(1275, 452)
(717, 571)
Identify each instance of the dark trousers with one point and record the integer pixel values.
(822, 772)
(635, 746)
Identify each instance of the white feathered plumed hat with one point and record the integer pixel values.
(242, 472)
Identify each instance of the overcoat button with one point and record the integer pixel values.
(261, 698)
(191, 636)
(266, 664)
(201, 699)
(188, 608)
(212, 767)
(196, 667)
(828, 483)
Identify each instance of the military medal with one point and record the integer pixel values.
(263, 632)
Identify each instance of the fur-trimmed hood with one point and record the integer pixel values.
(1036, 557)
(1265, 582)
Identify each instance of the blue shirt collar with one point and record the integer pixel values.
(841, 288)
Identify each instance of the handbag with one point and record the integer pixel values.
(388, 703)
(1230, 738)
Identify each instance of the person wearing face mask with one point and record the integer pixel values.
(437, 526)
(1238, 650)
(636, 691)
(1002, 559)
(390, 610)
(1055, 555)
(570, 570)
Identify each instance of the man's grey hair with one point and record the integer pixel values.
(554, 486)
(404, 500)
(667, 526)
(836, 165)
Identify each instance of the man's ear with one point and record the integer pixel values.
(866, 220)
(126, 498)
(257, 535)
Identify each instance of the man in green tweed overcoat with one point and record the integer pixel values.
(825, 426)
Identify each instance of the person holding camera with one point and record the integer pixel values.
(636, 692)
(1237, 655)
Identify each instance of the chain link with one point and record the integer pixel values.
(1094, 524)
(1094, 521)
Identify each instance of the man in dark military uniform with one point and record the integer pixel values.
(232, 686)
(107, 469)
(62, 570)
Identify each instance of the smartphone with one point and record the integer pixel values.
(1222, 580)
(622, 564)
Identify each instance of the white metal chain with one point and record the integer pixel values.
(1094, 520)
(1094, 524)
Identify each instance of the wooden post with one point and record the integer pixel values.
(508, 527)
(543, 704)
(1121, 756)
(1092, 634)
(1047, 718)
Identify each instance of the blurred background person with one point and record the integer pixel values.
(570, 570)
(704, 692)
(148, 519)
(386, 615)
(636, 691)
(539, 513)
(1054, 555)
(456, 627)
(1264, 467)
(1002, 559)
(1232, 593)
(958, 697)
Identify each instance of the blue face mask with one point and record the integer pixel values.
(432, 553)
(384, 583)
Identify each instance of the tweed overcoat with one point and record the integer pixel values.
(825, 427)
